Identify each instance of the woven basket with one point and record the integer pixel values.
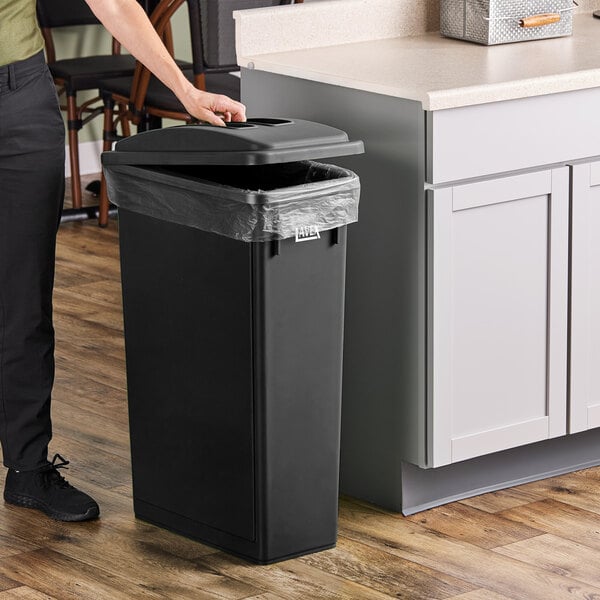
(504, 21)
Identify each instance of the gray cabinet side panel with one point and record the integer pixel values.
(383, 406)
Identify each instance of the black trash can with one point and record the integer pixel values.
(233, 262)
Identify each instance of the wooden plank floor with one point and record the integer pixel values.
(536, 541)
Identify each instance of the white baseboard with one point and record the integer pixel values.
(89, 158)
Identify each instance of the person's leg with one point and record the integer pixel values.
(31, 192)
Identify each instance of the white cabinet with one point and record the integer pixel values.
(585, 298)
(497, 313)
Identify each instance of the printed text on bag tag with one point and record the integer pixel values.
(309, 232)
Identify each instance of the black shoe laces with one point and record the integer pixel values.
(50, 475)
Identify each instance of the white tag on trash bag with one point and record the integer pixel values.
(306, 233)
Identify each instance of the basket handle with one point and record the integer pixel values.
(539, 20)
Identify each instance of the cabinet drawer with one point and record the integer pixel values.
(477, 141)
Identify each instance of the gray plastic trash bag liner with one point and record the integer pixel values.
(321, 196)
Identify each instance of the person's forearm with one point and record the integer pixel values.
(128, 23)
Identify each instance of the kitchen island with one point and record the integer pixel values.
(472, 340)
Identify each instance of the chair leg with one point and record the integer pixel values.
(107, 139)
(73, 126)
(104, 204)
(126, 129)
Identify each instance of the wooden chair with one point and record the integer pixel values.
(212, 70)
(77, 74)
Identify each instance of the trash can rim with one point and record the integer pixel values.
(258, 157)
(239, 194)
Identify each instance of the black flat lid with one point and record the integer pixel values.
(255, 142)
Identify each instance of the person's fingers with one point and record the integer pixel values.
(240, 115)
(215, 109)
(210, 117)
(223, 104)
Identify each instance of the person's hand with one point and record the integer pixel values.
(215, 109)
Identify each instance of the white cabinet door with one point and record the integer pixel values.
(585, 299)
(497, 314)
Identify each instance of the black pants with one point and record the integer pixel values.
(31, 192)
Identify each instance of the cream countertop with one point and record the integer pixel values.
(439, 72)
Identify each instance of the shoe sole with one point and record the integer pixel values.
(27, 502)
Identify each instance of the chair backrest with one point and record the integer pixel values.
(53, 14)
(212, 30)
(64, 13)
(161, 21)
(218, 30)
(220, 24)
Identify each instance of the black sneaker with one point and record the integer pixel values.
(47, 490)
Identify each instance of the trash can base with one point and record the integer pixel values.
(208, 536)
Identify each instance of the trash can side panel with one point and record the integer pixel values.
(187, 308)
(302, 295)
